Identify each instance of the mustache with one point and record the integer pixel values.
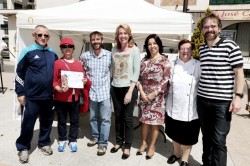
(208, 33)
(101, 45)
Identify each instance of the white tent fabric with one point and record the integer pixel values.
(79, 19)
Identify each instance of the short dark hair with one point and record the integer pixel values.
(96, 33)
(184, 41)
(157, 40)
(210, 16)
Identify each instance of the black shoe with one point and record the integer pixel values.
(114, 150)
(172, 159)
(148, 157)
(151, 155)
(141, 152)
(184, 163)
(125, 156)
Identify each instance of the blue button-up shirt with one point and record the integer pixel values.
(98, 70)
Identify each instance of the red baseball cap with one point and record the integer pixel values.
(67, 41)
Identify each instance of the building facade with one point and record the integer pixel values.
(235, 16)
(8, 11)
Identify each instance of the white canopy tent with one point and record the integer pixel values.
(79, 19)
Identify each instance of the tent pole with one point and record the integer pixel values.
(185, 6)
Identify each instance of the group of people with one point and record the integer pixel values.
(186, 94)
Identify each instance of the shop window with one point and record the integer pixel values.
(225, 2)
(229, 1)
(220, 1)
(18, 6)
(212, 2)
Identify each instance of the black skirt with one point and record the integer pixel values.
(182, 132)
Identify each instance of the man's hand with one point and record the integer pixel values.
(21, 100)
(235, 105)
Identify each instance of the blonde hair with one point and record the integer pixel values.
(127, 28)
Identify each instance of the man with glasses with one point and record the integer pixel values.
(97, 64)
(33, 86)
(220, 90)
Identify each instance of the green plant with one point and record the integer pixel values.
(197, 37)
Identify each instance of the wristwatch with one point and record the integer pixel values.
(241, 95)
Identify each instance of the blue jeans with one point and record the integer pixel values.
(215, 121)
(100, 121)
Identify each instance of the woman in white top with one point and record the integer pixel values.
(126, 69)
(182, 124)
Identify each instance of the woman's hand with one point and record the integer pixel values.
(84, 80)
(127, 98)
(144, 97)
(151, 96)
(61, 89)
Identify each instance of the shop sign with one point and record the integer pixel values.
(228, 34)
(233, 15)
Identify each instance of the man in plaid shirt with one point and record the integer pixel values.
(97, 64)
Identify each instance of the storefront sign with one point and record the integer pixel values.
(233, 15)
(228, 34)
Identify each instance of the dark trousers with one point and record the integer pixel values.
(123, 115)
(33, 109)
(215, 121)
(62, 109)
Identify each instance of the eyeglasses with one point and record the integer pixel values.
(185, 49)
(209, 26)
(40, 35)
(67, 46)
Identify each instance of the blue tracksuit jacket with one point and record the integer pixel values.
(34, 72)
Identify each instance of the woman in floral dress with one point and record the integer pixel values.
(153, 82)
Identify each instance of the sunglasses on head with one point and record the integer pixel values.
(67, 46)
(40, 35)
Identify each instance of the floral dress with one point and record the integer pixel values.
(154, 75)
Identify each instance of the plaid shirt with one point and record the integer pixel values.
(98, 70)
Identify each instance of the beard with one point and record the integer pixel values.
(96, 46)
(210, 37)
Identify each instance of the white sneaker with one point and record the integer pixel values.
(47, 150)
(73, 146)
(23, 156)
(61, 146)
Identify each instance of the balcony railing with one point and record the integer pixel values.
(226, 2)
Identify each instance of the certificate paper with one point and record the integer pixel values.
(72, 79)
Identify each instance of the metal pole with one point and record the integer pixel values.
(1, 78)
(185, 6)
